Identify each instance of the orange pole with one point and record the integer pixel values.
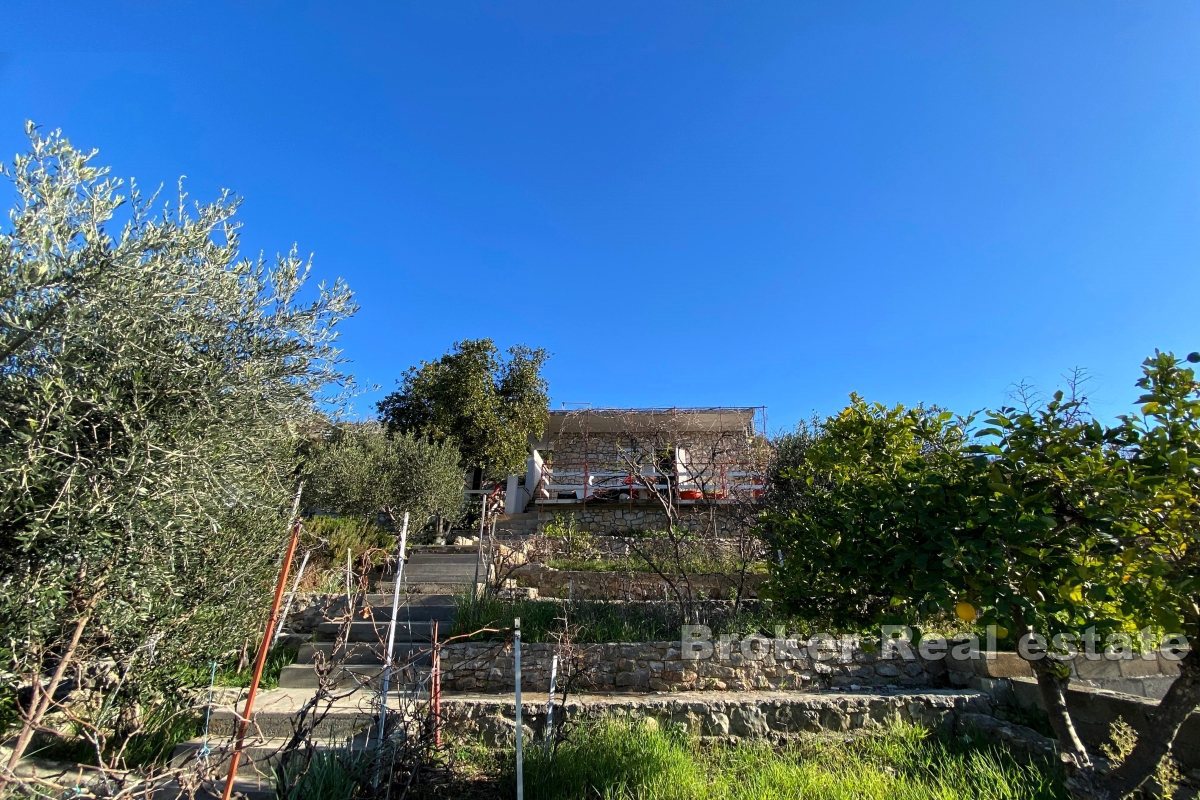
(261, 660)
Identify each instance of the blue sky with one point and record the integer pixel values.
(685, 203)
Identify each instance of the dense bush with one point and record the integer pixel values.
(485, 405)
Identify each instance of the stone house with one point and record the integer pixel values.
(612, 469)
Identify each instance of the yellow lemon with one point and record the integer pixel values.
(1001, 632)
(965, 611)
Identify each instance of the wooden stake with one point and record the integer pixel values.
(261, 661)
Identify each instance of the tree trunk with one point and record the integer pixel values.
(1156, 741)
(1085, 781)
(45, 696)
(1053, 688)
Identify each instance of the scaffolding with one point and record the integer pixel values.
(694, 455)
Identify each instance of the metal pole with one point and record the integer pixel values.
(261, 661)
(550, 702)
(287, 607)
(436, 681)
(391, 639)
(517, 678)
(479, 557)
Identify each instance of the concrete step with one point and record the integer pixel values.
(259, 756)
(349, 715)
(466, 556)
(416, 612)
(368, 675)
(377, 631)
(428, 572)
(451, 586)
(384, 600)
(362, 652)
(434, 575)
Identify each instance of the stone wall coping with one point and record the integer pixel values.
(1006, 664)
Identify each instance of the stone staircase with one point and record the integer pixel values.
(354, 654)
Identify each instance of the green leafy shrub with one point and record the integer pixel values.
(333, 536)
(327, 775)
(360, 470)
(570, 542)
(228, 674)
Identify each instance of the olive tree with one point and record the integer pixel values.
(152, 382)
(362, 471)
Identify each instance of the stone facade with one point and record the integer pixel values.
(711, 452)
(665, 667)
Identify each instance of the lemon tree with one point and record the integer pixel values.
(1040, 521)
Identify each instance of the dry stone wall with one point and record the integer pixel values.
(665, 667)
(726, 716)
(1148, 675)
(706, 518)
(635, 586)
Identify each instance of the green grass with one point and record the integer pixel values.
(697, 565)
(622, 761)
(228, 675)
(329, 775)
(162, 729)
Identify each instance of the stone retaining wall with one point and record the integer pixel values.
(618, 518)
(1102, 690)
(663, 667)
(635, 586)
(1145, 676)
(543, 548)
(763, 715)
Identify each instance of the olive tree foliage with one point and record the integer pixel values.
(488, 405)
(360, 470)
(1052, 525)
(152, 383)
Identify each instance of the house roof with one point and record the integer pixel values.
(620, 420)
